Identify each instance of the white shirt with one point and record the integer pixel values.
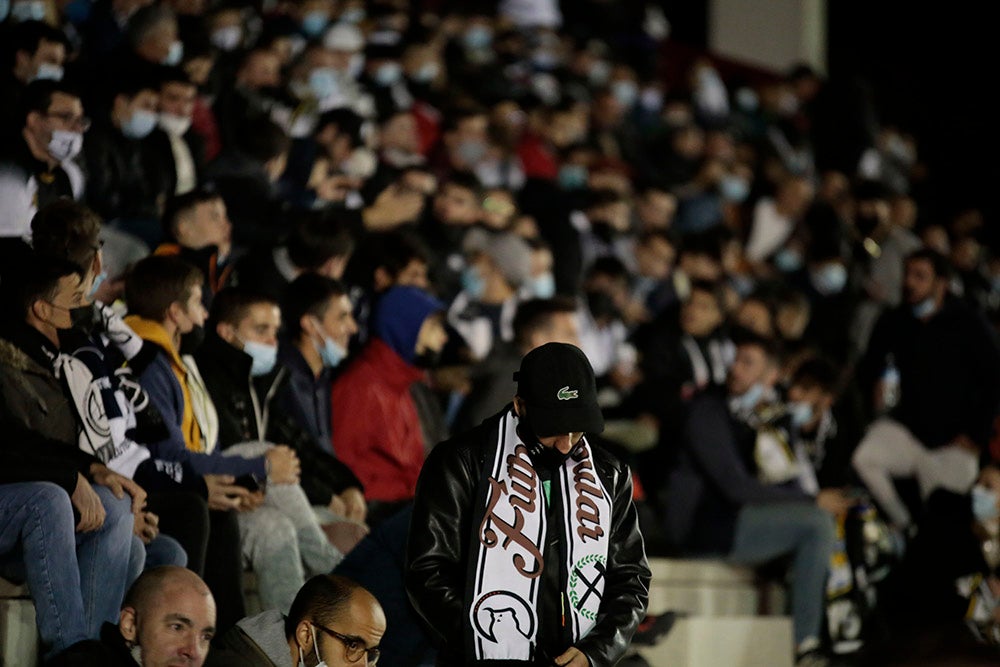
(768, 231)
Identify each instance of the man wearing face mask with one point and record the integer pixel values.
(174, 154)
(38, 167)
(238, 362)
(556, 574)
(949, 385)
(118, 185)
(377, 430)
(724, 499)
(333, 622)
(39, 53)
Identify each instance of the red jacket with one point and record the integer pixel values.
(376, 429)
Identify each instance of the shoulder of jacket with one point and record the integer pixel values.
(13, 357)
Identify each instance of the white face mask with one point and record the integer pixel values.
(302, 659)
(65, 145)
(174, 125)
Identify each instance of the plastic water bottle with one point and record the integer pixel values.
(890, 384)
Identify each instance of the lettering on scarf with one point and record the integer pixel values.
(587, 510)
(521, 497)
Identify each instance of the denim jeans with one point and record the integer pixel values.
(76, 579)
(765, 532)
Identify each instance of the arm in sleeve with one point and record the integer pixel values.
(437, 543)
(323, 475)
(711, 442)
(626, 591)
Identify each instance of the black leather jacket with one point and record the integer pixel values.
(439, 545)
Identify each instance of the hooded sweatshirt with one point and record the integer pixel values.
(376, 427)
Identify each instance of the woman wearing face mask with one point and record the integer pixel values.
(947, 585)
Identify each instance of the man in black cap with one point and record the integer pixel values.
(524, 545)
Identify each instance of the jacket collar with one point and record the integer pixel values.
(290, 357)
(30, 343)
(218, 354)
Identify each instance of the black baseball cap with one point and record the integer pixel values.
(556, 382)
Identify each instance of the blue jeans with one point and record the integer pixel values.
(38, 539)
(765, 532)
(165, 550)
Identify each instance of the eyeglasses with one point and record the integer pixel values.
(81, 123)
(354, 647)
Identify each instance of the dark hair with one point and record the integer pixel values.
(37, 279)
(392, 251)
(30, 35)
(134, 82)
(316, 237)
(713, 289)
(459, 114)
(702, 243)
(231, 304)
(322, 599)
(145, 20)
(465, 180)
(771, 347)
(816, 372)
(938, 261)
(263, 139)
(347, 122)
(609, 266)
(168, 74)
(158, 281)
(309, 294)
(536, 314)
(180, 205)
(37, 96)
(68, 230)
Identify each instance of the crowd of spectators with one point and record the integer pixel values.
(258, 258)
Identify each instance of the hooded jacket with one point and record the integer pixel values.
(376, 427)
(246, 412)
(256, 641)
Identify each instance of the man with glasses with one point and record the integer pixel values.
(333, 621)
(37, 164)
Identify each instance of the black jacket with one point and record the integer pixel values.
(159, 159)
(111, 650)
(226, 371)
(117, 183)
(439, 544)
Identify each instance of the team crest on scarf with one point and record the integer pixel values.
(503, 609)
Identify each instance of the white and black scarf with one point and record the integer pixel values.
(511, 528)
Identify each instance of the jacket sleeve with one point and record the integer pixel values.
(323, 475)
(437, 546)
(626, 591)
(711, 442)
(165, 394)
(358, 429)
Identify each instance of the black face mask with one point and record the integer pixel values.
(427, 359)
(548, 457)
(601, 305)
(83, 318)
(191, 341)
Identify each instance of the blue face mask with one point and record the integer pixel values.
(264, 357)
(139, 124)
(477, 38)
(787, 260)
(427, 72)
(984, 503)
(98, 281)
(626, 92)
(751, 397)
(801, 413)
(331, 353)
(830, 279)
(323, 82)
(314, 22)
(49, 72)
(388, 74)
(544, 286)
(925, 308)
(734, 189)
(175, 54)
(473, 283)
(33, 10)
(354, 15)
(572, 176)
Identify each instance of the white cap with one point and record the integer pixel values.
(343, 37)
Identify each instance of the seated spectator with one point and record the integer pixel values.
(376, 428)
(163, 295)
(198, 230)
(317, 243)
(716, 503)
(537, 321)
(38, 416)
(456, 208)
(37, 166)
(39, 52)
(497, 267)
(316, 176)
(333, 621)
(948, 369)
(174, 153)
(251, 94)
(119, 187)
(600, 313)
(238, 362)
(318, 326)
(167, 618)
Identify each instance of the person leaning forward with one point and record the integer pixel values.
(524, 546)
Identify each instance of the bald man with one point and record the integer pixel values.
(167, 619)
(333, 620)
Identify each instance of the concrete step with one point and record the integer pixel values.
(729, 641)
(705, 587)
(18, 633)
